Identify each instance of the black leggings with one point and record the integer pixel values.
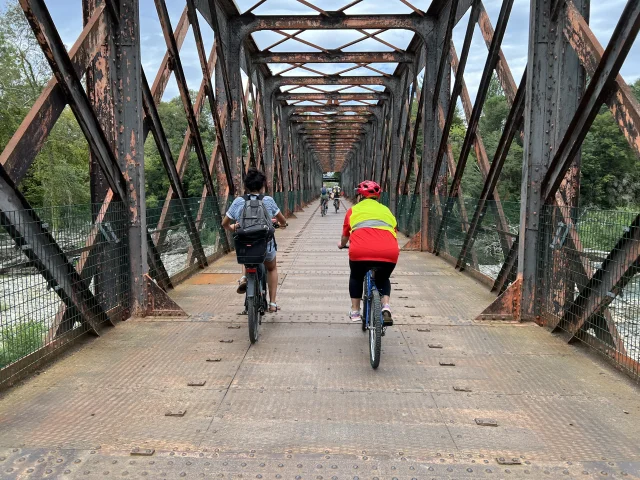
(359, 271)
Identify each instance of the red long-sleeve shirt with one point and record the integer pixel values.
(370, 244)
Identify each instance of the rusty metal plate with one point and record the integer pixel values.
(461, 389)
(175, 413)
(142, 452)
(509, 461)
(486, 422)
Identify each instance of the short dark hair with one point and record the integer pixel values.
(254, 180)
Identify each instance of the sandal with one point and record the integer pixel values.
(273, 307)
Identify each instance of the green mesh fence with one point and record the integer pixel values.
(409, 214)
(279, 199)
(589, 279)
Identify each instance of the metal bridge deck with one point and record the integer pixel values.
(304, 403)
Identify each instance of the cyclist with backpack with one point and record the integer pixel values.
(250, 216)
(324, 198)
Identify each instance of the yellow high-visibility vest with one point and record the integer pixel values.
(370, 213)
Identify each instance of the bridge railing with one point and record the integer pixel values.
(85, 244)
(37, 317)
(35, 320)
(589, 279)
(588, 266)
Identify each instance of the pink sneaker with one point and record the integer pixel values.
(386, 315)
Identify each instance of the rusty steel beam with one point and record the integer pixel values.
(53, 48)
(328, 137)
(502, 67)
(337, 145)
(407, 133)
(28, 140)
(623, 103)
(444, 56)
(256, 130)
(416, 131)
(330, 119)
(457, 88)
(513, 125)
(185, 150)
(332, 57)
(597, 92)
(481, 96)
(483, 90)
(340, 97)
(170, 167)
(209, 91)
(246, 24)
(361, 109)
(164, 72)
(181, 80)
(277, 82)
(483, 160)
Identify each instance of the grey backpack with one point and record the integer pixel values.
(255, 232)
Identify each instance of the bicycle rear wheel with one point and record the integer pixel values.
(375, 329)
(253, 312)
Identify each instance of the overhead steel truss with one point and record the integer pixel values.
(304, 113)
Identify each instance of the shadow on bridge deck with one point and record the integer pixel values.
(304, 403)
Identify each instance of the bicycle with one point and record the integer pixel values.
(324, 207)
(255, 300)
(372, 317)
(336, 204)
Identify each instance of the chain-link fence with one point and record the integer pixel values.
(39, 313)
(48, 300)
(589, 279)
(169, 228)
(485, 250)
(409, 214)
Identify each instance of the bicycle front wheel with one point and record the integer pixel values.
(375, 329)
(254, 318)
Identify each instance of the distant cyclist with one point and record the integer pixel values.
(324, 197)
(371, 229)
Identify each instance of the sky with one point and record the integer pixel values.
(68, 18)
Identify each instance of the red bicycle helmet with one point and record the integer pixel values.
(369, 189)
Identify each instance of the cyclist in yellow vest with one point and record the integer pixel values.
(371, 229)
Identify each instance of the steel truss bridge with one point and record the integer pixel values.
(361, 109)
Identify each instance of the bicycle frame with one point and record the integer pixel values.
(370, 287)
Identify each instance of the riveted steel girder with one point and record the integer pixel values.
(276, 82)
(339, 97)
(332, 57)
(246, 24)
(360, 109)
(329, 119)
